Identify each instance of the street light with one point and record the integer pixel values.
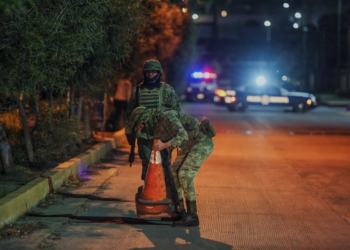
(268, 31)
(195, 16)
(267, 24)
(305, 30)
(297, 15)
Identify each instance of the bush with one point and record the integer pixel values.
(55, 136)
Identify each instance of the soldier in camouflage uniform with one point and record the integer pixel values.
(151, 93)
(177, 130)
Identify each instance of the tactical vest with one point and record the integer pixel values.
(151, 98)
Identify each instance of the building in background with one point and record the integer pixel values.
(306, 41)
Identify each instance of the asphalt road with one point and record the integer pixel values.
(267, 120)
(276, 180)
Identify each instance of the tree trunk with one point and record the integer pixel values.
(71, 102)
(80, 107)
(87, 125)
(105, 107)
(37, 113)
(60, 103)
(6, 163)
(50, 128)
(50, 98)
(26, 132)
(2, 169)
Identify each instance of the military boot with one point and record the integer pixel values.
(179, 211)
(191, 219)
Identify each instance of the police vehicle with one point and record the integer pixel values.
(201, 86)
(263, 94)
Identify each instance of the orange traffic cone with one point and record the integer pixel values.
(151, 200)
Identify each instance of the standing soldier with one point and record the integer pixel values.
(177, 130)
(151, 93)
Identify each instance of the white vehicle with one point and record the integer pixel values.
(263, 94)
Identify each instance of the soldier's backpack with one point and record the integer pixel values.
(206, 128)
(190, 123)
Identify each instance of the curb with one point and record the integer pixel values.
(23, 199)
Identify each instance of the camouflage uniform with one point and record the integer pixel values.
(183, 132)
(157, 95)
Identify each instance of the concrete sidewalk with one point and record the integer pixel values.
(26, 197)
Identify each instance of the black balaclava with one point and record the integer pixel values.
(152, 83)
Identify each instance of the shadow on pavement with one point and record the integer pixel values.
(181, 238)
(164, 236)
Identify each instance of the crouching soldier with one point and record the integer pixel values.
(177, 130)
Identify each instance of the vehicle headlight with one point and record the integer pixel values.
(230, 99)
(200, 96)
(261, 80)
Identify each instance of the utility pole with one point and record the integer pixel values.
(339, 45)
(339, 35)
(304, 30)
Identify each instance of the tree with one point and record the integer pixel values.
(160, 37)
(9, 5)
(58, 46)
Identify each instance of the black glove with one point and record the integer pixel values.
(130, 138)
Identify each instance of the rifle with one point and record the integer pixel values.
(133, 135)
(166, 162)
(132, 149)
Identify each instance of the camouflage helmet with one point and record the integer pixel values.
(139, 115)
(152, 65)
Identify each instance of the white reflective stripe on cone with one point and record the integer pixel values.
(156, 158)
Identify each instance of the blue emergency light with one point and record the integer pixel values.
(205, 75)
